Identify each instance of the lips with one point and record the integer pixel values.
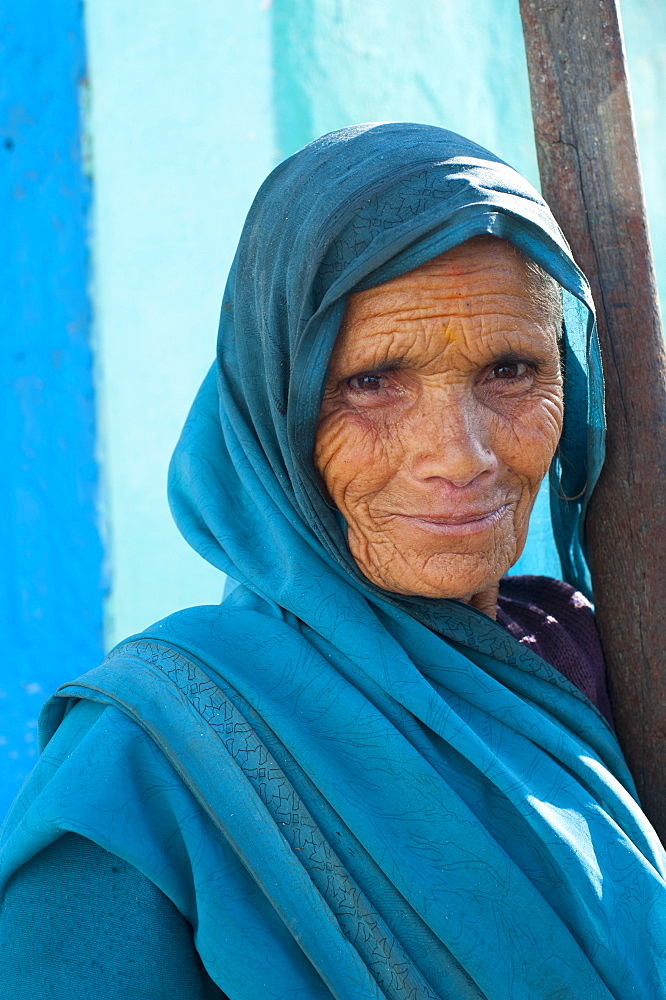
(461, 518)
(467, 523)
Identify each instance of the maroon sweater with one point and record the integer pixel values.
(557, 622)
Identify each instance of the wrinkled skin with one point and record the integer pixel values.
(441, 414)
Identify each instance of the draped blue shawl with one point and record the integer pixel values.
(349, 793)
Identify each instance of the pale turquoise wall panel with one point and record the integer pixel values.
(458, 64)
(182, 136)
(645, 37)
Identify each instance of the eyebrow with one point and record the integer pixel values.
(535, 358)
(386, 364)
(402, 361)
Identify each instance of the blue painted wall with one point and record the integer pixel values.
(51, 578)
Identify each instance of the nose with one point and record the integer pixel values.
(450, 439)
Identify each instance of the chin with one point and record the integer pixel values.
(454, 575)
(460, 581)
(419, 568)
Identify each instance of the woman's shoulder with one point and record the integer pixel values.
(238, 620)
(557, 622)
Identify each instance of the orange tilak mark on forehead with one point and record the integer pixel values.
(451, 332)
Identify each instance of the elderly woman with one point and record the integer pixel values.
(380, 768)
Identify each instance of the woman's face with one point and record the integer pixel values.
(441, 413)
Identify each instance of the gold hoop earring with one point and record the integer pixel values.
(562, 496)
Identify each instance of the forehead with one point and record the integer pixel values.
(479, 289)
(485, 269)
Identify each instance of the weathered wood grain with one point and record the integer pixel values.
(591, 178)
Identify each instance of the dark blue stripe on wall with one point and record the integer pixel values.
(51, 559)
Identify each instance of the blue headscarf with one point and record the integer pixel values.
(350, 793)
(348, 212)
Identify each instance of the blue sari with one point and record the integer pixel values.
(352, 794)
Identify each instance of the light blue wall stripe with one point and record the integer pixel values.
(51, 581)
(182, 137)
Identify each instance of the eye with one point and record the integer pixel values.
(368, 383)
(507, 370)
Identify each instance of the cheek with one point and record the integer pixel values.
(529, 437)
(354, 457)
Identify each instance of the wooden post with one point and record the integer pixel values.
(591, 179)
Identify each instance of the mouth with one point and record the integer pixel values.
(459, 525)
